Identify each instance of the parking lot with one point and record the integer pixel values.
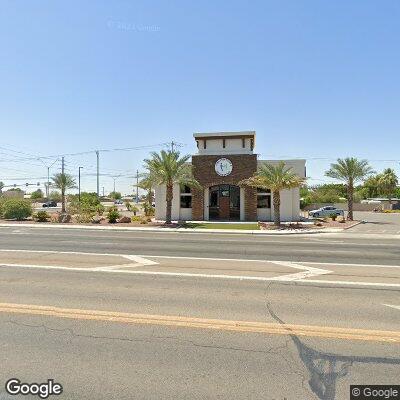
(377, 222)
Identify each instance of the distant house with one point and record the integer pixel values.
(384, 202)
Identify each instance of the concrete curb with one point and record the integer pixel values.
(357, 223)
(169, 230)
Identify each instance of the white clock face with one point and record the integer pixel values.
(223, 167)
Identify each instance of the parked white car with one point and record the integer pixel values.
(325, 212)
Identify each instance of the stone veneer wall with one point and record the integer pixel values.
(244, 166)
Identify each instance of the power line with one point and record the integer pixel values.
(89, 152)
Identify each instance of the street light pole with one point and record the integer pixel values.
(98, 172)
(79, 183)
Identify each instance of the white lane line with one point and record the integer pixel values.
(350, 283)
(269, 239)
(61, 252)
(307, 271)
(229, 277)
(140, 261)
(137, 260)
(2, 265)
(282, 262)
(205, 258)
(349, 265)
(392, 306)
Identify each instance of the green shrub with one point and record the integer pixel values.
(333, 217)
(136, 218)
(37, 194)
(85, 209)
(2, 200)
(55, 196)
(132, 207)
(116, 195)
(148, 210)
(100, 209)
(42, 216)
(84, 218)
(112, 216)
(18, 209)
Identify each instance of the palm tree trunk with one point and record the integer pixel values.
(149, 198)
(169, 196)
(277, 208)
(350, 194)
(62, 200)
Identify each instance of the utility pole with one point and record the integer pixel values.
(98, 173)
(63, 188)
(48, 183)
(115, 178)
(137, 186)
(48, 174)
(174, 145)
(79, 184)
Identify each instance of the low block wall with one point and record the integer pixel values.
(343, 206)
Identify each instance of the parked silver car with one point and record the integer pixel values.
(325, 212)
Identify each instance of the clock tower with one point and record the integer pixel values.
(222, 161)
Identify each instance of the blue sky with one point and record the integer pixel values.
(315, 79)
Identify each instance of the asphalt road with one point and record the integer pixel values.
(149, 328)
(379, 223)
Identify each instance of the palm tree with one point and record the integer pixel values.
(372, 185)
(388, 182)
(275, 178)
(350, 171)
(63, 182)
(168, 168)
(147, 185)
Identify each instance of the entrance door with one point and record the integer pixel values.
(224, 203)
(213, 205)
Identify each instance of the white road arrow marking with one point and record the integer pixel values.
(392, 306)
(307, 272)
(138, 262)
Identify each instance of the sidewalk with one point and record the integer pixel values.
(169, 230)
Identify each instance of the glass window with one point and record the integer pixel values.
(264, 201)
(224, 190)
(186, 201)
(185, 189)
(263, 198)
(186, 197)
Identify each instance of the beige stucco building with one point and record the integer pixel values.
(222, 160)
